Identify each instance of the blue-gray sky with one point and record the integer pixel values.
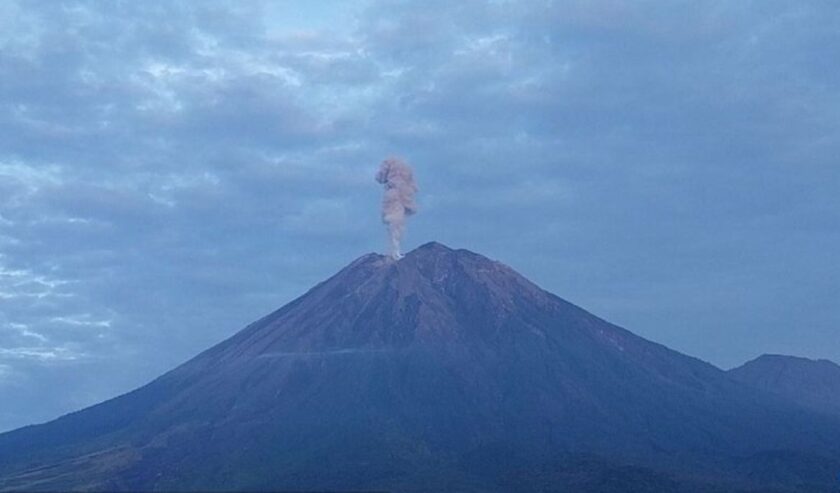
(170, 171)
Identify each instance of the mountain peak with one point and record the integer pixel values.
(432, 246)
(815, 383)
(783, 360)
(378, 301)
(436, 249)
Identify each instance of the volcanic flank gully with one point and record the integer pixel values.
(441, 371)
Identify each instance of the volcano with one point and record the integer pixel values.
(441, 371)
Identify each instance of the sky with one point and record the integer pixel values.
(171, 171)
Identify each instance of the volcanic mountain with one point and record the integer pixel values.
(441, 371)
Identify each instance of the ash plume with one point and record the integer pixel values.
(398, 201)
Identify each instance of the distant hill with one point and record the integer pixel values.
(814, 383)
(442, 371)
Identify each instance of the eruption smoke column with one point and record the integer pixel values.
(398, 202)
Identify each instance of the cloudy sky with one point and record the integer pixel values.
(170, 171)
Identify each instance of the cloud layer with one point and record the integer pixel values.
(670, 166)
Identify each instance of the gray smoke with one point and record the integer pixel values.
(398, 202)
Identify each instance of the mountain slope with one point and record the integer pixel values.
(814, 383)
(441, 371)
